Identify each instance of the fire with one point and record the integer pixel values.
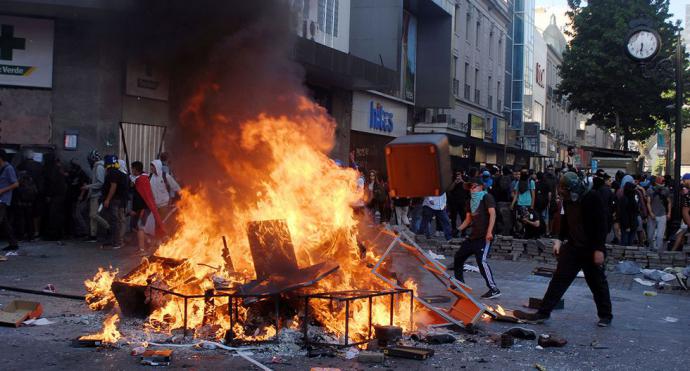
(500, 310)
(99, 294)
(109, 334)
(295, 181)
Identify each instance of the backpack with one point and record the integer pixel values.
(541, 198)
(504, 186)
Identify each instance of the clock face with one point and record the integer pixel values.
(643, 45)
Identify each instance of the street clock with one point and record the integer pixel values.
(642, 44)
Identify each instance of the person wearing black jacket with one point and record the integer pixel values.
(583, 229)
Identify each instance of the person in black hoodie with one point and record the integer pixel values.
(55, 191)
(583, 229)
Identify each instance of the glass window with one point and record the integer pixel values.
(476, 35)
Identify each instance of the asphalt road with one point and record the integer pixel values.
(640, 337)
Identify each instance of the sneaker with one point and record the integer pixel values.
(604, 322)
(11, 248)
(532, 317)
(491, 294)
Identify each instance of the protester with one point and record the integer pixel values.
(76, 179)
(34, 169)
(145, 217)
(503, 194)
(535, 227)
(523, 198)
(435, 206)
(164, 188)
(583, 227)
(23, 200)
(55, 191)
(481, 217)
(114, 200)
(8, 183)
(95, 189)
(684, 212)
(627, 210)
(659, 205)
(402, 208)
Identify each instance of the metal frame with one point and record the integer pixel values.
(347, 297)
(233, 307)
(438, 271)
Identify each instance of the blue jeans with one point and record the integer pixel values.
(441, 216)
(627, 237)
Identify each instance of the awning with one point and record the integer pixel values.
(609, 152)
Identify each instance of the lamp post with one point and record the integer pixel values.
(679, 125)
(669, 110)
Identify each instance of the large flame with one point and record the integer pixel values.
(99, 294)
(296, 182)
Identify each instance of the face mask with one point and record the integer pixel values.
(476, 199)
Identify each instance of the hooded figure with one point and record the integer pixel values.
(163, 186)
(142, 185)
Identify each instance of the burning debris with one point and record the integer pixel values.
(108, 336)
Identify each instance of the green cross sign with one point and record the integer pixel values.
(8, 42)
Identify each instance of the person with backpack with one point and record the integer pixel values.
(114, 199)
(481, 217)
(95, 190)
(164, 188)
(543, 193)
(627, 210)
(8, 183)
(659, 205)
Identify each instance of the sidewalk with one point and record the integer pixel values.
(640, 338)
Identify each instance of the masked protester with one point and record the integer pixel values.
(583, 230)
(481, 217)
(114, 199)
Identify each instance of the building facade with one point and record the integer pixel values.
(476, 124)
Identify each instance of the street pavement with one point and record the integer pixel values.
(641, 336)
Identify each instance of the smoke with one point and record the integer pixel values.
(229, 62)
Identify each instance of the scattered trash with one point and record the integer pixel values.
(657, 275)
(507, 340)
(439, 339)
(49, 288)
(387, 335)
(37, 322)
(320, 352)
(643, 282)
(436, 256)
(595, 345)
(18, 311)
(649, 293)
(539, 367)
(548, 341)
(522, 333)
(543, 271)
(209, 346)
(628, 267)
(370, 357)
(136, 351)
(671, 319)
(351, 353)
(539, 347)
(3, 258)
(159, 357)
(408, 352)
(580, 274)
(12, 253)
(470, 268)
(535, 303)
(279, 360)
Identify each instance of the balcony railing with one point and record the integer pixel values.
(490, 103)
(456, 87)
(499, 106)
(477, 95)
(467, 91)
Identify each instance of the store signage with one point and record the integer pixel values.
(146, 80)
(26, 51)
(540, 74)
(379, 119)
(378, 115)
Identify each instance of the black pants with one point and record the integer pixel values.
(570, 262)
(480, 249)
(455, 212)
(5, 224)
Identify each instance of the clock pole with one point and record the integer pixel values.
(679, 128)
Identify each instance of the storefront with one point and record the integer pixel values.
(376, 121)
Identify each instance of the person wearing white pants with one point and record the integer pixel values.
(659, 205)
